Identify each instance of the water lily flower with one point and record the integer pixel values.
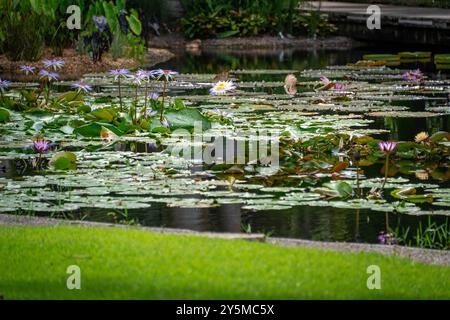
(386, 238)
(153, 96)
(137, 78)
(325, 80)
(48, 75)
(339, 86)
(167, 74)
(117, 73)
(41, 146)
(27, 69)
(82, 86)
(421, 137)
(387, 146)
(165, 123)
(223, 113)
(55, 64)
(145, 74)
(4, 84)
(100, 22)
(413, 76)
(151, 113)
(222, 87)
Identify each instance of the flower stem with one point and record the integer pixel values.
(386, 170)
(120, 95)
(146, 100)
(358, 189)
(163, 98)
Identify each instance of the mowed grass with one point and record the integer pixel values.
(132, 264)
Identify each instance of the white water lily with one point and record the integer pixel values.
(222, 87)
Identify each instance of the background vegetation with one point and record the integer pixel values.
(225, 18)
(27, 26)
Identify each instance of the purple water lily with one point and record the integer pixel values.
(82, 86)
(223, 113)
(41, 146)
(413, 76)
(387, 146)
(165, 123)
(167, 74)
(151, 113)
(4, 84)
(137, 78)
(27, 69)
(144, 73)
(117, 73)
(54, 64)
(153, 96)
(45, 74)
(100, 22)
(386, 238)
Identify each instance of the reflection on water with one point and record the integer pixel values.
(326, 224)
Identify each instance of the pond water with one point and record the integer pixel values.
(240, 207)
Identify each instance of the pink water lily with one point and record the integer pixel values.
(387, 146)
(325, 80)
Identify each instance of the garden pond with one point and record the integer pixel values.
(330, 184)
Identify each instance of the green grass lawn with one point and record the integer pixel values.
(133, 264)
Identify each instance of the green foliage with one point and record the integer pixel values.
(64, 161)
(221, 19)
(5, 116)
(42, 253)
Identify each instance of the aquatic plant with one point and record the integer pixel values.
(328, 84)
(136, 79)
(41, 146)
(55, 64)
(168, 75)
(118, 75)
(27, 69)
(387, 238)
(100, 22)
(413, 76)
(387, 147)
(82, 87)
(4, 84)
(145, 75)
(421, 137)
(47, 77)
(290, 84)
(222, 87)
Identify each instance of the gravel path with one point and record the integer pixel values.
(437, 257)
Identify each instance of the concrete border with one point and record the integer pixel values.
(436, 257)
